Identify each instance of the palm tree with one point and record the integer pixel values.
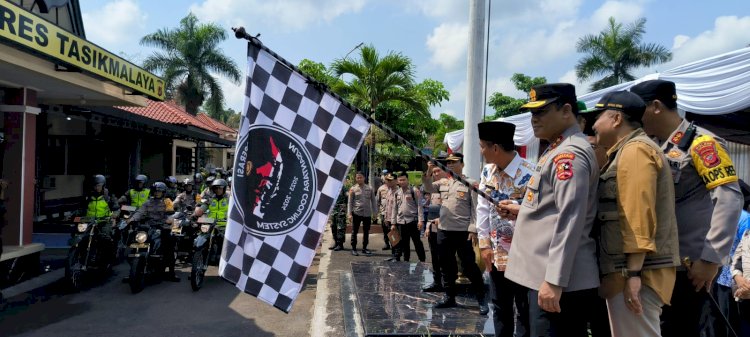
(188, 60)
(616, 52)
(377, 80)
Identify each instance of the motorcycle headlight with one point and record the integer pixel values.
(82, 227)
(141, 237)
(205, 228)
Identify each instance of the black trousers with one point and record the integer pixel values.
(599, 319)
(572, 321)
(450, 243)
(729, 307)
(744, 318)
(366, 221)
(437, 275)
(167, 249)
(505, 293)
(386, 229)
(690, 312)
(411, 231)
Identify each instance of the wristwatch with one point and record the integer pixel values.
(630, 273)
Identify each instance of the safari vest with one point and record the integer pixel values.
(218, 210)
(138, 198)
(611, 256)
(98, 207)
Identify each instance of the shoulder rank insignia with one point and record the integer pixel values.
(674, 153)
(677, 136)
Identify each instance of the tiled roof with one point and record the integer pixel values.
(219, 127)
(169, 112)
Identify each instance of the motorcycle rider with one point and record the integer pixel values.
(218, 206)
(99, 205)
(189, 197)
(172, 191)
(208, 192)
(198, 182)
(137, 195)
(154, 212)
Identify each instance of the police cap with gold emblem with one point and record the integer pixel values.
(544, 94)
(661, 90)
(455, 157)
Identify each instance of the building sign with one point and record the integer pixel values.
(25, 28)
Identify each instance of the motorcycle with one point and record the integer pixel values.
(206, 251)
(122, 231)
(91, 252)
(145, 255)
(184, 230)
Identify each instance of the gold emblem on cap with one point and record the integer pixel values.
(532, 95)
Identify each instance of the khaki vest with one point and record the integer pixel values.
(611, 256)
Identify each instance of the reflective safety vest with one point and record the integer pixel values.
(137, 199)
(98, 208)
(218, 209)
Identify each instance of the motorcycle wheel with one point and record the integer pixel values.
(197, 271)
(137, 275)
(73, 272)
(122, 250)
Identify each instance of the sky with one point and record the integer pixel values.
(534, 37)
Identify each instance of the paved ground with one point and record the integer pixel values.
(109, 309)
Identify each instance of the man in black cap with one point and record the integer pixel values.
(503, 178)
(638, 249)
(553, 252)
(708, 205)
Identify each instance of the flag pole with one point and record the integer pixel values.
(240, 33)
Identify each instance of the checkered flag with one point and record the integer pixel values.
(295, 146)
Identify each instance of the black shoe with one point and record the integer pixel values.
(333, 247)
(434, 288)
(446, 302)
(354, 252)
(483, 308)
(387, 247)
(366, 252)
(337, 248)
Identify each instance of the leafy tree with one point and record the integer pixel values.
(615, 52)
(320, 73)
(188, 59)
(233, 121)
(445, 123)
(508, 106)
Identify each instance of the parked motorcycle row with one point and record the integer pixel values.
(99, 244)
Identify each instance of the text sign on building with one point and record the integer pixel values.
(30, 30)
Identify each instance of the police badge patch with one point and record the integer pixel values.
(707, 152)
(564, 169)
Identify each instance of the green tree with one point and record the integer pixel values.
(505, 106)
(615, 52)
(188, 61)
(320, 73)
(376, 80)
(233, 121)
(445, 123)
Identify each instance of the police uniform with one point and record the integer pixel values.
(457, 220)
(381, 196)
(361, 206)
(708, 205)
(99, 207)
(407, 211)
(154, 213)
(218, 208)
(495, 233)
(135, 197)
(552, 241)
(186, 199)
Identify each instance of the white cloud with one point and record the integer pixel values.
(291, 14)
(623, 12)
(581, 87)
(234, 95)
(441, 9)
(448, 45)
(112, 25)
(503, 85)
(729, 33)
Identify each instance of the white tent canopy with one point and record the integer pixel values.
(712, 86)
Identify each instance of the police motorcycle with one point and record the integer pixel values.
(206, 250)
(123, 231)
(91, 252)
(184, 229)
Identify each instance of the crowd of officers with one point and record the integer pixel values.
(619, 231)
(199, 196)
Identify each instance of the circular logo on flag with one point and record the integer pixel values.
(274, 181)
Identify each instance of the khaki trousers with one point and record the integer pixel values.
(625, 323)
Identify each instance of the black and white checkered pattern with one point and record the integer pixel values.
(273, 268)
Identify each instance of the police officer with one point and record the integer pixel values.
(99, 204)
(137, 195)
(360, 211)
(503, 178)
(207, 193)
(407, 217)
(199, 186)
(431, 230)
(380, 197)
(338, 219)
(638, 256)
(457, 232)
(218, 206)
(708, 204)
(553, 254)
(154, 212)
(189, 197)
(171, 182)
